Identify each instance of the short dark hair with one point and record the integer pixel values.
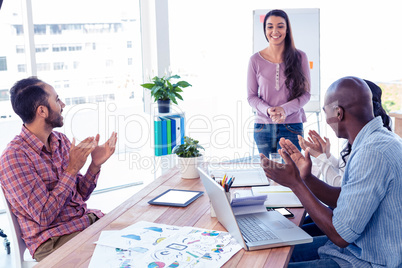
(26, 96)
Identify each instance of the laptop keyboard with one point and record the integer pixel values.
(251, 230)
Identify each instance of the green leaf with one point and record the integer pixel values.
(159, 83)
(183, 84)
(172, 98)
(158, 79)
(155, 90)
(157, 96)
(173, 76)
(178, 96)
(148, 85)
(169, 85)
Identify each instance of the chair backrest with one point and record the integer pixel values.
(20, 247)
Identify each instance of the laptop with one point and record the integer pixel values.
(253, 231)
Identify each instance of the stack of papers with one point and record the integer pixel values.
(278, 196)
(248, 204)
(147, 244)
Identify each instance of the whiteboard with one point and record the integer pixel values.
(305, 23)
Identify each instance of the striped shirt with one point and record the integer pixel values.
(47, 201)
(368, 212)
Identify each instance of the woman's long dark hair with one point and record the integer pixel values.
(378, 111)
(295, 81)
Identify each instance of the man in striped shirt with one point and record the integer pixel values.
(365, 227)
(40, 171)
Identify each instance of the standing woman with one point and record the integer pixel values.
(278, 85)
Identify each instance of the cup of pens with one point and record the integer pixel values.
(226, 184)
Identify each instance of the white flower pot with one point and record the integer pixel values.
(188, 166)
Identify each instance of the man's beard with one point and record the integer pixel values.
(54, 119)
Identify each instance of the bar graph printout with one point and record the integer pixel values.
(147, 244)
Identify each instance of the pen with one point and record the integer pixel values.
(228, 184)
(228, 181)
(224, 183)
(231, 182)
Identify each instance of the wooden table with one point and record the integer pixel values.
(78, 251)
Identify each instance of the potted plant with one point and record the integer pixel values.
(189, 157)
(164, 91)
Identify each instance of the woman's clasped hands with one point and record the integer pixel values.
(277, 114)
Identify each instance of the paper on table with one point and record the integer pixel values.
(245, 174)
(249, 204)
(139, 237)
(242, 193)
(183, 247)
(105, 256)
(278, 196)
(193, 247)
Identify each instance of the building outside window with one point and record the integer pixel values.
(22, 68)
(41, 48)
(3, 64)
(20, 49)
(40, 29)
(74, 47)
(58, 66)
(59, 48)
(43, 67)
(55, 29)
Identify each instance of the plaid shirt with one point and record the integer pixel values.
(47, 201)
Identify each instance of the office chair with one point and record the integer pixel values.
(19, 244)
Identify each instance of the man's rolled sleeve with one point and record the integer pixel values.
(87, 184)
(344, 231)
(66, 183)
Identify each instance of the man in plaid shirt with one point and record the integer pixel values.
(39, 171)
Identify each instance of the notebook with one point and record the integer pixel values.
(275, 228)
(246, 174)
(278, 196)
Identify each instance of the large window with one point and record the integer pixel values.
(90, 52)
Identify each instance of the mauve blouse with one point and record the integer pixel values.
(266, 88)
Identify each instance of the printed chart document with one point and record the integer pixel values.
(147, 244)
(105, 256)
(245, 174)
(278, 196)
